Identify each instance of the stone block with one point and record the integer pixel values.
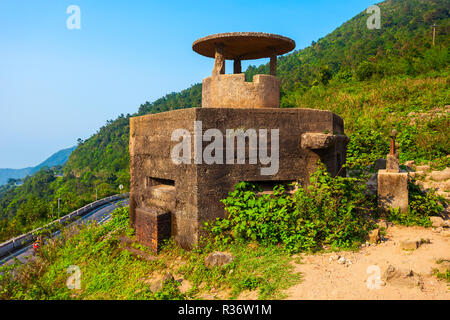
(162, 196)
(392, 164)
(153, 226)
(374, 236)
(441, 175)
(424, 168)
(437, 222)
(393, 190)
(218, 259)
(409, 244)
(317, 141)
(409, 164)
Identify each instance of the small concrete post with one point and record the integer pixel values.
(219, 64)
(237, 66)
(273, 65)
(434, 33)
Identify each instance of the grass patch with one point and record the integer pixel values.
(265, 269)
(442, 275)
(107, 272)
(422, 205)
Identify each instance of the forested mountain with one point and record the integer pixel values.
(373, 78)
(401, 46)
(57, 159)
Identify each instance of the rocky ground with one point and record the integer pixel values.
(425, 177)
(419, 117)
(399, 263)
(400, 267)
(432, 179)
(402, 264)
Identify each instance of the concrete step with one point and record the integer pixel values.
(163, 196)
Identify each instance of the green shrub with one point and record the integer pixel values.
(330, 211)
(366, 145)
(442, 275)
(169, 291)
(344, 76)
(422, 205)
(265, 269)
(365, 70)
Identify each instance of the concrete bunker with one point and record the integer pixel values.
(174, 199)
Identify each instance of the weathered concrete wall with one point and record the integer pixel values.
(199, 188)
(231, 91)
(150, 148)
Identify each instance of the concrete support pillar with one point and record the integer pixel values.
(273, 65)
(219, 64)
(237, 66)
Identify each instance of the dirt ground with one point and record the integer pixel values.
(325, 278)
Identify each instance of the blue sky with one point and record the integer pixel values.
(58, 85)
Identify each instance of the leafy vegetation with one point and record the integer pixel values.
(403, 46)
(371, 109)
(330, 211)
(335, 212)
(444, 273)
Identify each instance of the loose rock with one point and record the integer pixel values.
(437, 222)
(409, 164)
(441, 175)
(157, 282)
(409, 244)
(424, 168)
(402, 277)
(374, 236)
(341, 260)
(383, 224)
(218, 259)
(445, 233)
(185, 286)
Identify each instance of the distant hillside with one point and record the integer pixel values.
(57, 159)
(6, 174)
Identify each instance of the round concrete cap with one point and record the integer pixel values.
(244, 45)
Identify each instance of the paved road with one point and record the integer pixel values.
(101, 215)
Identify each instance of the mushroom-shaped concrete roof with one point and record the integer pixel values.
(244, 45)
